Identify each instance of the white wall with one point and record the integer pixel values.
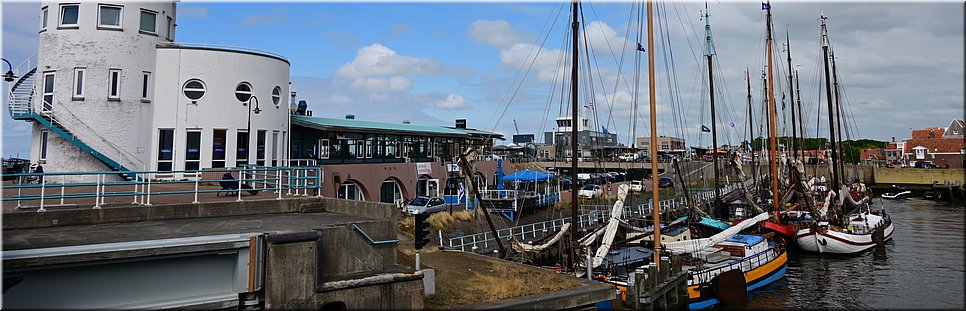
(221, 70)
(113, 127)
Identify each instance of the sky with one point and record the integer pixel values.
(900, 65)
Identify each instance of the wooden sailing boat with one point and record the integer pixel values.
(835, 230)
(721, 267)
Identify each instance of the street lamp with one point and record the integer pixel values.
(249, 129)
(9, 76)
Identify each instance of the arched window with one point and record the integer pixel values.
(351, 191)
(390, 192)
(194, 89)
(243, 92)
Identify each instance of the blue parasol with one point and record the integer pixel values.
(499, 174)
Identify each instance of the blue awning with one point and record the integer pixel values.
(528, 175)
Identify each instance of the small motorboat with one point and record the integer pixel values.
(896, 193)
(932, 196)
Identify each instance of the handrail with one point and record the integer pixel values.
(54, 185)
(371, 241)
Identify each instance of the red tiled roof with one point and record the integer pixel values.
(929, 132)
(943, 145)
(871, 153)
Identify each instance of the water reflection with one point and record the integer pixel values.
(921, 267)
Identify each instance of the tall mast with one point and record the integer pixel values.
(655, 194)
(791, 95)
(714, 127)
(831, 112)
(838, 116)
(751, 131)
(574, 120)
(772, 148)
(801, 117)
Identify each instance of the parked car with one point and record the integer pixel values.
(566, 183)
(636, 186)
(665, 182)
(425, 205)
(629, 157)
(589, 191)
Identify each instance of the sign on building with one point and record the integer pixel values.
(424, 168)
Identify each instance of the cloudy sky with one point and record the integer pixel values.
(900, 64)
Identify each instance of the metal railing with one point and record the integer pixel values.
(97, 186)
(483, 241)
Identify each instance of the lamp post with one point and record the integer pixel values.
(249, 129)
(9, 76)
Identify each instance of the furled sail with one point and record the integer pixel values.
(691, 246)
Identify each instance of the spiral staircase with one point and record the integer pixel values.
(20, 100)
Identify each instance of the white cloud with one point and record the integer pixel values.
(545, 61)
(379, 60)
(452, 102)
(381, 85)
(604, 39)
(497, 33)
(341, 100)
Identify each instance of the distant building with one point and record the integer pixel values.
(874, 156)
(587, 138)
(942, 147)
(669, 145)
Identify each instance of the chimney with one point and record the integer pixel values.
(461, 123)
(406, 122)
(350, 117)
(893, 139)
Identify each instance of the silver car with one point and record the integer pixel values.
(425, 205)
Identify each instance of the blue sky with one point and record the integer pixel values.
(432, 63)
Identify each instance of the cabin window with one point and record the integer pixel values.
(43, 144)
(68, 15)
(218, 146)
(165, 149)
(243, 92)
(192, 160)
(194, 89)
(146, 86)
(114, 84)
(149, 22)
(260, 148)
(109, 16)
(323, 148)
(43, 19)
(241, 151)
(78, 93)
(48, 92)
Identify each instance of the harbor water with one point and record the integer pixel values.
(921, 268)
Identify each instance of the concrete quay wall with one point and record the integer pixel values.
(919, 176)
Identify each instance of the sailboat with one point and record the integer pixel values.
(835, 230)
(723, 266)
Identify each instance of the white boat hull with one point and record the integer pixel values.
(822, 240)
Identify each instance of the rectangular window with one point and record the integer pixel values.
(218, 144)
(43, 144)
(170, 28)
(165, 149)
(149, 22)
(260, 148)
(323, 148)
(275, 148)
(48, 92)
(114, 84)
(43, 19)
(241, 152)
(79, 83)
(192, 152)
(146, 86)
(68, 15)
(109, 16)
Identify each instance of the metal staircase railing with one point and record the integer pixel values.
(21, 94)
(48, 121)
(81, 129)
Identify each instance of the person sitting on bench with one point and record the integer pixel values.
(228, 183)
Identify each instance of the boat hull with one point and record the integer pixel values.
(702, 295)
(822, 240)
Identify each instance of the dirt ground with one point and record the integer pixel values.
(467, 279)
